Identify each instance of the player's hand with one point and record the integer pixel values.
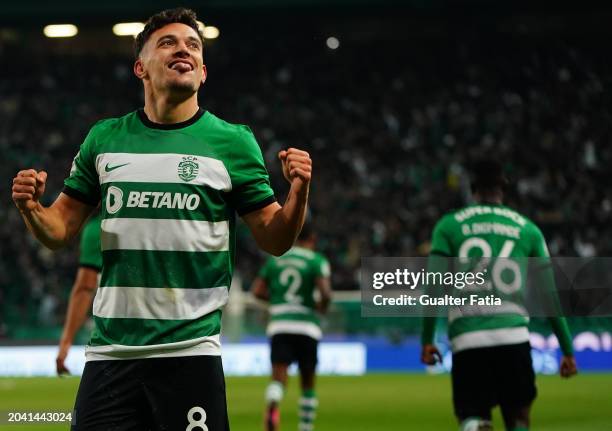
(297, 165)
(430, 355)
(60, 367)
(28, 187)
(568, 367)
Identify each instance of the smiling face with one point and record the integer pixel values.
(172, 61)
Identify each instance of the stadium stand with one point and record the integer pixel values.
(390, 124)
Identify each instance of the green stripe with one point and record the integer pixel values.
(189, 140)
(170, 269)
(298, 317)
(212, 207)
(144, 332)
(481, 323)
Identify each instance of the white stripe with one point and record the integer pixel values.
(289, 308)
(158, 303)
(506, 307)
(164, 234)
(160, 168)
(489, 338)
(308, 415)
(309, 402)
(203, 346)
(294, 327)
(305, 427)
(275, 392)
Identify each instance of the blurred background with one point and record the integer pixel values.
(392, 100)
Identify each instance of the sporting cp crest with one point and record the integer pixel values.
(188, 168)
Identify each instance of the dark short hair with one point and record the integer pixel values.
(487, 174)
(163, 18)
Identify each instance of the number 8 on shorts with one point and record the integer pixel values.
(194, 424)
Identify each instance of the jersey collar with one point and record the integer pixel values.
(150, 124)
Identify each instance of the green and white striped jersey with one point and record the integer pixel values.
(291, 280)
(169, 195)
(488, 231)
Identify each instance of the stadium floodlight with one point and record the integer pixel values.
(128, 28)
(201, 25)
(332, 42)
(211, 32)
(60, 30)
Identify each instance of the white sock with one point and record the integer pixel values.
(274, 392)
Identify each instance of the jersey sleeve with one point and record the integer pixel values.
(538, 243)
(251, 188)
(440, 239)
(90, 250)
(322, 268)
(83, 183)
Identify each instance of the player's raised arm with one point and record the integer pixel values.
(275, 228)
(54, 226)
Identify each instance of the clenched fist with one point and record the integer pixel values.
(28, 187)
(568, 367)
(430, 355)
(296, 165)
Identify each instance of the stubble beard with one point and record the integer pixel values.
(182, 89)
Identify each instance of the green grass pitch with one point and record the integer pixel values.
(389, 402)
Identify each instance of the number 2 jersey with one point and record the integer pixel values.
(291, 280)
(169, 194)
(491, 231)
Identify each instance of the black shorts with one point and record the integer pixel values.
(151, 395)
(486, 377)
(289, 348)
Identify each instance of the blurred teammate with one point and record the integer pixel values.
(171, 178)
(83, 290)
(491, 352)
(289, 283)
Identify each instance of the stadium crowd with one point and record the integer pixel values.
(390, 127)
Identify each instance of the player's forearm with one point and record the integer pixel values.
(429, 330)
(435, 264)
(78, 306)
(564, 336)
(46, 224)
(287, 222)
(323, 304)
(260, 289)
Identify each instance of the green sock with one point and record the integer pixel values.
(520, 429)
(307, 410)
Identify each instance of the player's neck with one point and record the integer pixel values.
(161, 110)
(304, 244)
(493, 198)
(489, 202)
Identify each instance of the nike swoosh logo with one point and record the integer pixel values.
(112, 168)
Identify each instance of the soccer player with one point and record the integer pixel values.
(491, 352)
(170, 179)
(83, 290)
(289, 283)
